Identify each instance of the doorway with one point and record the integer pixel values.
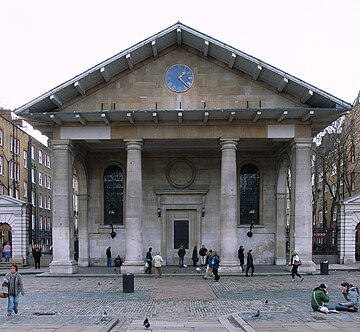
(182, 228)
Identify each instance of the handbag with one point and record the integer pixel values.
(4, 289)
(297, 263)
(146, 264)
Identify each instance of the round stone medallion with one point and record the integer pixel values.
(180, 173)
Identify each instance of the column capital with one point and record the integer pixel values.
(134, 144)
(301, 143)
(228, 143)
(62, 144)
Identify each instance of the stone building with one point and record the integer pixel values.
(25, 190)
(181, 140)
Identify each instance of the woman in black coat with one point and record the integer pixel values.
(195, 257)
(249, 264)
(241, 257)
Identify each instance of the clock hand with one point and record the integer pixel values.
(182, 81)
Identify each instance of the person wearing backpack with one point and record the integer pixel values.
(215, 262)
(351, 295)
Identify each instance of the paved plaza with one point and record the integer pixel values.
(180, 301)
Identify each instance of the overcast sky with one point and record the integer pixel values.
(47, 42)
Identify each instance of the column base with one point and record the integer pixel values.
(307, 266)
(229, 268)
(135, 269)
(68, 267)
(280, 261)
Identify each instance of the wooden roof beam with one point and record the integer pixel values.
(81, 119)
(56, 119)
(282, 84)
(105, 74)
(56, 100)
(206, 47)
(282, 116)
(105, 118)
(154, 48)
(257, 72)
(129, 61)
(231, 60)
(178, 36)
(306, 96)
(308, 116)
(130, 117)
(79, 88)
(257, 116)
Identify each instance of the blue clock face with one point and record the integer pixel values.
(179, 78)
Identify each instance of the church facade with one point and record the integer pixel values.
(181, 140)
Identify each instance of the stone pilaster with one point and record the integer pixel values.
(62, 210)
(134, 262)
(280, 246)
(228, 206)
(301, 208)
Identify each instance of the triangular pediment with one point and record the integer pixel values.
(304, 100)
(352, 200)
(6, 201)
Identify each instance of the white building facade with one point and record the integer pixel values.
(182, 140)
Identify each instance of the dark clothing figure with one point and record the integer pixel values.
(118, 261)
(108, 256)
(195, 257)
(202, 254)
(37, 254)
(249, 264)
(181, 253)
(149, 261)
(215, 263)
(241, 257)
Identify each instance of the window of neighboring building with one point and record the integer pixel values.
(33, 224)
(25, 159)
(48, 203)
(40, 179)
(45, 201)
(14, 170)
(33, 200)
(113, 195)
(32, 152)
(249, 194)
(1, 137)
(334, 214)
(40, 157)
(25, 189)
(33, 180)
(325, 207)
(48, 160)
(49, 182)
(41, 200)
(14, 145)
(1, 165)
(41, 222)
(320, 217)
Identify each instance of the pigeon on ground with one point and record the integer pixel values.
(104, 316)
(146, 323)
(256, 315)
(99, 283)
(266, 301)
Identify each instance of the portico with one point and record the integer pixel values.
(165, 167)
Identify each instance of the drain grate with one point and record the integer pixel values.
(45, 313)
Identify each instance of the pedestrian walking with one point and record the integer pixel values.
(36, 252)
(108, 256)
(16, 288)
(181, 254)
(7, 251)
(208, 264)
(149, 261)
(351, 295)
(241, 257)
(215, 263)
(158, 260)
(249, 264)
(202, 254)
(295, 262)
(194, 256)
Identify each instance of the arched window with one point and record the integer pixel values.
(249, 194)
(113, 195)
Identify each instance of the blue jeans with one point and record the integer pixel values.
(109, 262)
(340, 307)
(13, 303)
(181, 261)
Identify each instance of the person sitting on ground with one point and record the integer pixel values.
(118, 261)
(351, 295)
(319, 299)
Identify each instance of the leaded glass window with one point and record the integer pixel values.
(249, 194)
(113, 195)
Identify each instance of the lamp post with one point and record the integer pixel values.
(111, 214)
(252, 214)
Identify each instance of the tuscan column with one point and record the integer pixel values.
(228, 206)
(301, 209)
(62, 210)
(134, 262)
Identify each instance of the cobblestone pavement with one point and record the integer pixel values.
(175, 303)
